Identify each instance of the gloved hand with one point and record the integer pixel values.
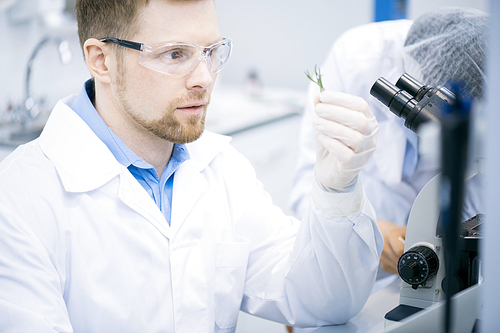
(346, 137)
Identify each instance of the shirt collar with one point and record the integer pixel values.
(85, 109)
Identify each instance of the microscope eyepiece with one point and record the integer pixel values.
(398, 100)
(409, 99)
(384, 91)
(410, 85)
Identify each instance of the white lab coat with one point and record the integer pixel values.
(83, 247)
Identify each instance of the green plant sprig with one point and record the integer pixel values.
(317, 73)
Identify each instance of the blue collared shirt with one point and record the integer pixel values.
(160, 189)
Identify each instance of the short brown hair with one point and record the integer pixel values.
(107, 18)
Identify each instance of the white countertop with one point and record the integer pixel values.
(233, 109)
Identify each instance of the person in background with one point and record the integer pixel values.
(448, 43)
(126, 216)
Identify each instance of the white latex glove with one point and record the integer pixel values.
(346, 137)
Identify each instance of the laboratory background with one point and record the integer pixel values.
(258, 98)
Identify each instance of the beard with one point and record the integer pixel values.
(168, 126)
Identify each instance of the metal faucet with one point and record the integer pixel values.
(30, 108)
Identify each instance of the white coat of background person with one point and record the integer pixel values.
(448, 43)
(86, 247)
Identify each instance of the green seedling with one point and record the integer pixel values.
(317, 73)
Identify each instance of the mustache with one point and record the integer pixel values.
(193, 97)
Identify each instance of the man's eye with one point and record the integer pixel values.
(172, 54)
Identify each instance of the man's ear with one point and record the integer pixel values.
(98, 57)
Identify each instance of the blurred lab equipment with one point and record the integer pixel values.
(49, 11)
(25, 121)
(455, 129)
(390, 10)
(253, 83)
(30, 104)
(441, 255)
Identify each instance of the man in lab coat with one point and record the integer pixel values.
(448, 43)
(125, 216)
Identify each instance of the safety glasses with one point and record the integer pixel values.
(178, 59)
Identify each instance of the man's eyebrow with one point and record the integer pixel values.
(217, 41)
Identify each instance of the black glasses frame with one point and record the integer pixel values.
(125, 43)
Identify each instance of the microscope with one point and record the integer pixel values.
(440, 258)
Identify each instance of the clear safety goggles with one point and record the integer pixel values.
(179, 59)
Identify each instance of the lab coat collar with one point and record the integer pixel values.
(84, 163)
(204, 150)
(189, 181)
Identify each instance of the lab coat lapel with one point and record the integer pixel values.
(82, 161)
(189, 181)
(133, 195)
(84, 164)
(189, 184)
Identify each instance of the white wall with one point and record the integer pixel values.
(282, 39)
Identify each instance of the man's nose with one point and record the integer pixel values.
(201, 75)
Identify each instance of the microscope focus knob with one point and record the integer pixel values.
(417, 265)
